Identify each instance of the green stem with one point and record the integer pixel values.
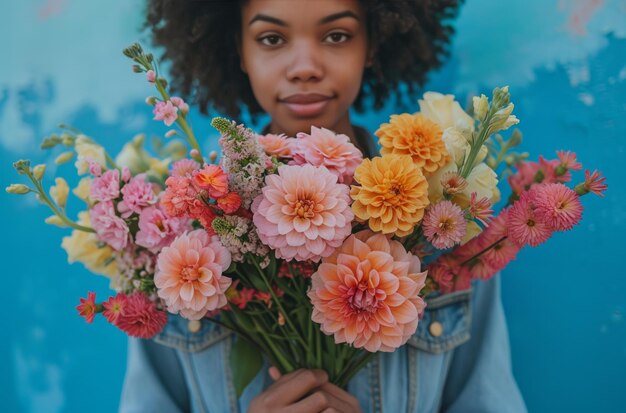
(483, 251)
(40, 191)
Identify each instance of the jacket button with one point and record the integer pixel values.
(194, 326)
(435, 328)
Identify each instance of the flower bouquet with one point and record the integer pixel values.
(311, 254)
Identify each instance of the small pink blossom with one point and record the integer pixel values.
(151, 76)
(105, 187)
(558, 206)
(229, 203)
(568, 160)
(114, 307)
(166, 112)
(87, 307)
(525, 226)
(108, 226)
(136, 195)
(140, 317)
(212, 178)
(480, 210)
(444, 224)
(180, 104)
(325, 148)
(126, 175)
(179, 196)
(95, 168)
(594, 182)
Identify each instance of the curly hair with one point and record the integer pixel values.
(409, 38)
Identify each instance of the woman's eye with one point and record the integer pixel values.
(338, 37)
(271, 40)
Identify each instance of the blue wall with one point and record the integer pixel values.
(565, 301)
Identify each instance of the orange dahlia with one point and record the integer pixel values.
(392, 195)
(417, 136)
(367, 293)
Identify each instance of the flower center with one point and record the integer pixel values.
(189, 274)
(305, 208)
(362, 298)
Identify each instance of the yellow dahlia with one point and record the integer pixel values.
(392, 195)
(417, 136)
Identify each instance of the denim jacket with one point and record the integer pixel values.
(457, 361)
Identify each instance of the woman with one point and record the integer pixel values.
(307, 63)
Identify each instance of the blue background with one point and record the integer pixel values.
(565, 62)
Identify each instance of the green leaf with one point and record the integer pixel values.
(245, 362)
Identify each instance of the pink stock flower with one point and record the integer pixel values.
(95, 168)
(114, 307)
(157, 230)
(594, 182)
(367, 293)
(166, 112)
(189, 274)
(229, 203)
(525, 227)
(140, 317)
(278, 145)
(136, 195)
(151, 76)
(180, 104)
(184, 167)
(558, 206)
(109, 227)
(444, 224)
(480, 210)
(87, 307)
(568, 160)
(212, 178)
(303, 213)
(324, 148)
(105, 187)
(126, 175)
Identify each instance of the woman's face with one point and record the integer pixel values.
(305, 60)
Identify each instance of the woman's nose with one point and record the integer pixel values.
(305, 63)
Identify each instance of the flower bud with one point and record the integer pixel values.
(194, 153)
(55, 220)
(170, 133)
(137, 69)
(60, 191)
(18, 189)
(212, 156)
(481, 107)
(151, 100)
(162, 82)
(63, 158)
(38, 171)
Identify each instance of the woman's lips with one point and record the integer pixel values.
(306, 106)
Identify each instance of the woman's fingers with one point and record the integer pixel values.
(274, 373)
(343, 395)
(320, 401)
(294, 386)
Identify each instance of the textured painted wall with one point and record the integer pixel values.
(565, 61)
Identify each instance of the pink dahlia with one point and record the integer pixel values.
(277, 145)
(444, 224)
(189, 274)
(366, 293)
(324, 148)
(525, 225)
(558, 206)
(108, 226)
(303, 213)
(140, 317)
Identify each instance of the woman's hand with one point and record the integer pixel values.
(303, 391)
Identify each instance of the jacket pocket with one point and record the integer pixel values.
(190, 336)
(445, 324)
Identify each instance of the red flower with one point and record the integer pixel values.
(87, 307)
